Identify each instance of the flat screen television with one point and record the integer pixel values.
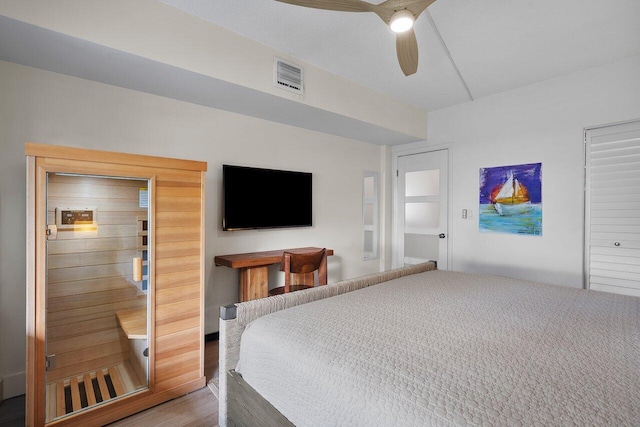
(255, 198)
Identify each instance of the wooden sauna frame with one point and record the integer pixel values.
(176, 277)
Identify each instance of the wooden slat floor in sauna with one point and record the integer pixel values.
(80, 391)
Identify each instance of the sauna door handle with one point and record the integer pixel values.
(51, 232)
(50, 362)
(137, 269)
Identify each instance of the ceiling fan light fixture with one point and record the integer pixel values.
(401, 21)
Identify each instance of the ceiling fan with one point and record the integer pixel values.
(399, 15)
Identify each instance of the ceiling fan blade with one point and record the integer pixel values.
(407, 50)
(339, 5)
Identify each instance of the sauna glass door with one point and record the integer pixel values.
(96, 292)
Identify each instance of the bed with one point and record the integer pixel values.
(419, 346)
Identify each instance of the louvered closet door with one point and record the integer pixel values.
(613, 208)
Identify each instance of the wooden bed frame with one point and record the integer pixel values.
(240, 404)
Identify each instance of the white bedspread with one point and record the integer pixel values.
(447, 348)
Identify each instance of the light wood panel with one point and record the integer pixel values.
(89, 326)
(177, 264)
(177, 294)
(86, 259)
(176, 325)
(169, 312)
(92, 281)
(176, 253)
(78, 314)
(178, 291)
(85, 286)
(177, 249)
(177, 234)
(82, 155)
(83, 367)
(175, 341)
(92, 245)
(92, 299)
(110, 349)
(177, 279)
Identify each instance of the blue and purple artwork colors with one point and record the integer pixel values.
(511, 199)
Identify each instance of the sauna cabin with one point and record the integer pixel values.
(115, 273)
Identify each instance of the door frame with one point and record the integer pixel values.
(586, 259)
(420, 147)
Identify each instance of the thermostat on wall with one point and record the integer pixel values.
(77, 219)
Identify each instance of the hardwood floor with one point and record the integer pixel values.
(211, 363)
(196, 409)
(12, 412)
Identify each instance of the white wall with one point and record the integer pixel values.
(49, 108)
(543, 123)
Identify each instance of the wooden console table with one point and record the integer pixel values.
(253, 277)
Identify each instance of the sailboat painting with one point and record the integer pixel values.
(511, 199)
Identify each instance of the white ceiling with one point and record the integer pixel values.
(468, 49)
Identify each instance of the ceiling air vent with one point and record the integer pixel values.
(287, 76)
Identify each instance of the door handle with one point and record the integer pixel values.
(49, 362)
(51, 232)
(442, 235)
(137, 269)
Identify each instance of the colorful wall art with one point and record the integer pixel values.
(511, 199)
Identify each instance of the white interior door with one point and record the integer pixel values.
(612, 249)
(421, 209)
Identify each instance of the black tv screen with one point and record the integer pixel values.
(265, 198)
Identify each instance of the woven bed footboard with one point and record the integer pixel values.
(234, 318)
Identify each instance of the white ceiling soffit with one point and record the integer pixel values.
(37, 47)
(495, 45)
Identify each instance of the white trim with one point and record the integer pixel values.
(418, 148)
(374, 201)
(586, 200)
(13, 385)
(385, 161)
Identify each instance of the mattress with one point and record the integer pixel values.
(450, 348)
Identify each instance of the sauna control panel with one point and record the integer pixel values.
(76, 218)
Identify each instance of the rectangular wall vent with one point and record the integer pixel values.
(288, 76)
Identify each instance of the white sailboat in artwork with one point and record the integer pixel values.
(511, 198)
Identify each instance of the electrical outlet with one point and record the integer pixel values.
(470, 213)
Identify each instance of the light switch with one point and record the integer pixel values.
(464, 214)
